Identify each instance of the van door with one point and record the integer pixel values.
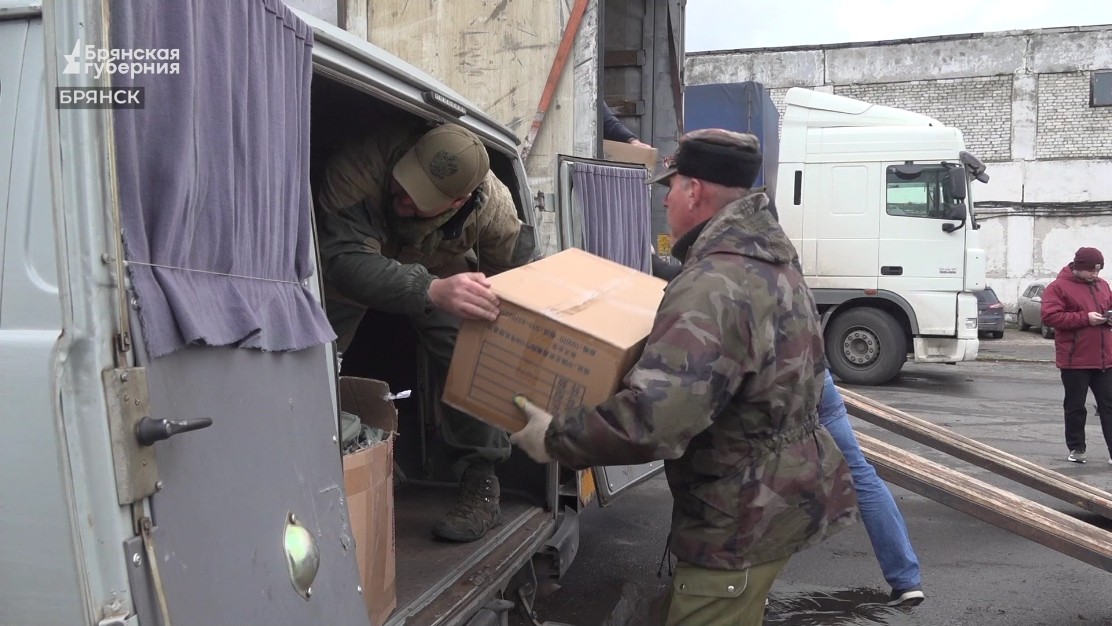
(248, 522)
(607, 214)
(231, 491)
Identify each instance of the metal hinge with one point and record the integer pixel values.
(125, 390)
(117, 611)
(123, 342)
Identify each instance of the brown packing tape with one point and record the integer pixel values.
(357, 474)
(587, 300)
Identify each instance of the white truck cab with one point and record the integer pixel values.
(877, 202)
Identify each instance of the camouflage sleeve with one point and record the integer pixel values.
(352, 261)
(504, 242)
(688, 372)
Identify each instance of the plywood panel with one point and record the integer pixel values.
(498, 55)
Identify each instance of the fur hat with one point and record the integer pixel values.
(714, 155)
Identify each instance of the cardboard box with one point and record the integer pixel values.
(369, 486)
(571, 326)
(629, 153)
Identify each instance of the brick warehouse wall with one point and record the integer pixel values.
(980, 107)
(1067, 125)
(1021, 99)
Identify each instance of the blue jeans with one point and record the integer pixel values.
(883, 521)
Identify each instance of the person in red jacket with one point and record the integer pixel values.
(1078, 306)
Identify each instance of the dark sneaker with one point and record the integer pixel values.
(906, 597)
(476, 510)
(1076, 456)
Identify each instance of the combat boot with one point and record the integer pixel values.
(476, 510)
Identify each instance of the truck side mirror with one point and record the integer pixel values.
(955, 178)
(955, 212)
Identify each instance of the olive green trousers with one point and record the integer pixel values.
(467, 441)
(710, 597)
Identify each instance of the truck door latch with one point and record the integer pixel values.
(148, 430)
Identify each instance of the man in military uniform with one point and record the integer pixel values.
(726, 393)
(406, 217)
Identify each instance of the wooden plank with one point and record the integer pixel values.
(676, 47)
(352, 16)
(554, 73)
(624, 58)
(625, 108)
(586, 128)
(494, 54)
(997, 461)
(498, 55)
(1006, 510)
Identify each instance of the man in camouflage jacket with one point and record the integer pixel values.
(726, 392)
(404, 218)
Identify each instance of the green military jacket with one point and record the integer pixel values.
(368, 264)
(727, 393)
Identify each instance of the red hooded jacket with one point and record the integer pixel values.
(1066, 304)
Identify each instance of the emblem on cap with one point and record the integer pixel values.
(443, 164)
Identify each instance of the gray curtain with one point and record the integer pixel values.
(214, 175)
(614, 202)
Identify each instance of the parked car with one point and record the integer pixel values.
(990, 314)
(1029, 313)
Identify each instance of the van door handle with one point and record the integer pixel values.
(891, 270)
(148, 431)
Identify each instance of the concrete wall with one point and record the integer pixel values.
(1021, 99)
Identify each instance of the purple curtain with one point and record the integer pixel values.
(614, 202)
(214, 175)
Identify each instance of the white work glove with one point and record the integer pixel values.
(531, 438)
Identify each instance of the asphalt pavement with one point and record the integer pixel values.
(1017, 346)
(974, 573)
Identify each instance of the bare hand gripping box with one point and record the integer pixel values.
(571, 326)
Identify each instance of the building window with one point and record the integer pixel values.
(1100, 89)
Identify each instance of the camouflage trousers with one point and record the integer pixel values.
(710, 597)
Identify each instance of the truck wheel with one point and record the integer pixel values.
(865, 347)
(1024, 326)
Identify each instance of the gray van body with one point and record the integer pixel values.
(74, 494)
